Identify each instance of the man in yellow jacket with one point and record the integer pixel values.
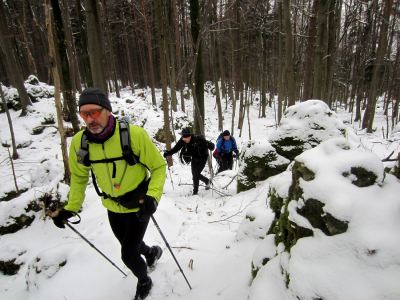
(129, 191)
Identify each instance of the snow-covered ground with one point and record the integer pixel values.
(208, 233)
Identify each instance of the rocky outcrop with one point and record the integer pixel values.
(324, 212)
(304, 126)
(258, 161)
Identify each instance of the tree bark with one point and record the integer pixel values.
(57, 98)
(95, 44)
(13, 65)
(369, 114)
(62, 65)
(163, 52)
(289, 74)
(198, 66)
(309, 53)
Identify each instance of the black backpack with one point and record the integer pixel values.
(127, 154)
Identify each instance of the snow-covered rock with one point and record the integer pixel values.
(258, 161)
(335, 228)
(304, 126)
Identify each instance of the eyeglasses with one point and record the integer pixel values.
(94, 114)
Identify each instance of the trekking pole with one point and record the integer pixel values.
(169, 170)
(169, 248)
(170, 176)
(94, 247)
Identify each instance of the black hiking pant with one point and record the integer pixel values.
(130, 232)
(225, 162)
(198, 164)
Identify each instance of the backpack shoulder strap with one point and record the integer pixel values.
(83, 152)
(125, 137)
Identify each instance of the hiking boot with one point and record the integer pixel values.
(143, 288)
(195, 193)
(153, 256)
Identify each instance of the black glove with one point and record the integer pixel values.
(236, 152)
(148, 207)
(62, 218)
(165, 154)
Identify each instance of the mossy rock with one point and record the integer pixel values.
(275, 201)
(286, 231)
(160, 135)
(318, 218)
(12, 195)
(32, 79)
(10, 267)
(37, 130)
(299, 170)
(16, 223)
(258, 167)
(289, 147)
(304, 126)
(364, 177)
(254, 269)
(48, 120)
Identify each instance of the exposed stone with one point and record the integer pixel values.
(160, 135)
(328, 224)
(299, 170)
(286, 231)
(258, 162)
(12, 195)
(10, 267)
(16, 223)
(304, 126)
(364, 177)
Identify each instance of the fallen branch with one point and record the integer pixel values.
(389, 157)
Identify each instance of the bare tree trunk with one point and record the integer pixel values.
(27, 41)
(57, 98)
(149, 46)
(319, 81)
(96, 44)
(71, 50)
(281, 93)
(198, 66)
(263, 78)
(62, 65)
(309, 53)
(172, 46)
(111, 49)
(289, 73)
(368, 119)
(13, 65)
(215, 77)
(163, 52)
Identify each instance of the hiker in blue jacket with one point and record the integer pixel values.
(226, 150)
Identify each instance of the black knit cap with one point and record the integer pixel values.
(226, 133)
(186, 132)
(94, 96)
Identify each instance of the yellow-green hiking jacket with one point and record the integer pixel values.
(127, 177)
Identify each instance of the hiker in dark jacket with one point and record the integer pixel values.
(194, 149)
(226, 151)
(129, 192)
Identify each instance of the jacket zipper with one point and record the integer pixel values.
(108, 172)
